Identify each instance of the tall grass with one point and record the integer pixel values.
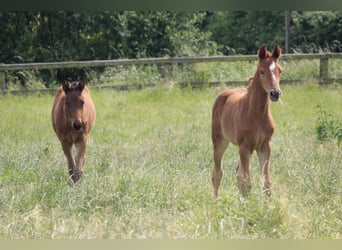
(148, 166)
(213, 72)
(144, 75)
(327, 127)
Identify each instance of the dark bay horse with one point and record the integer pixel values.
(73, 115)
(242, 116)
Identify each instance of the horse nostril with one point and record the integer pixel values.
(274, 95)
(77, 126)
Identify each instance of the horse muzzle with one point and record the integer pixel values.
(77, 126)
(274, 95)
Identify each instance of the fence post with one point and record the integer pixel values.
(324, 68)
(3, 79)
(166, 71)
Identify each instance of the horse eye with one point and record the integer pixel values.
(280, 71)
(262, 72)
(82, 102)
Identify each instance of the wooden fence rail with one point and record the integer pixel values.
(324, 63)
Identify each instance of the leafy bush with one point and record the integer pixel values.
(25, 79)
(327, 127)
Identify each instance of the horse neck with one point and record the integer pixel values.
(258, 100)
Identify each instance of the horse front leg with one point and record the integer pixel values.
(244, 182)
(66, 145)
(264, 162)
(79, 160)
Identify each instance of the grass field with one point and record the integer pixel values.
(148, 166)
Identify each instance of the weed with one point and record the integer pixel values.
(327, 127)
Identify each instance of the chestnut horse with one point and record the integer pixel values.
(242, 116)
(73, 116)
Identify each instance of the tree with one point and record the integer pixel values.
(316, 31)
(17, 36)
(48, 36)
(243, 32)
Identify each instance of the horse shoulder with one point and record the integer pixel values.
(232, 119)
(87, 96)
(59, 123)
(270, 126)
(90, 110)
(58, 96)
(264, 131)
(57, 108)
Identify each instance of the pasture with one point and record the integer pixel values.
(148, 167)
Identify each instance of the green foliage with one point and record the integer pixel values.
(316, 31)
(327, 127)
(50, 36)
(68, 35)
(71, 36)
(130, 75)
(25, 79)
(243, 32)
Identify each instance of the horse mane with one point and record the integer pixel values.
(74, 85)
(250, 82)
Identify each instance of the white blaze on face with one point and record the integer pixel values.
(272, 68)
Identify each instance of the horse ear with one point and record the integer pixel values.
(262, 52)
(66, 86)
(81, 85)
(276, 53)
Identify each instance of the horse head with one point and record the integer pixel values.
(74, 102)
(269, 71)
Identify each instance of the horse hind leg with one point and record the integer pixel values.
(220, 145)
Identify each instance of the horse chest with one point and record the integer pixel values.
(258, 134)
(252, 132)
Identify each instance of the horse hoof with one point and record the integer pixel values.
(75, 178)
(268, 192)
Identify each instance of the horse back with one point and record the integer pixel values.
(230, 96)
